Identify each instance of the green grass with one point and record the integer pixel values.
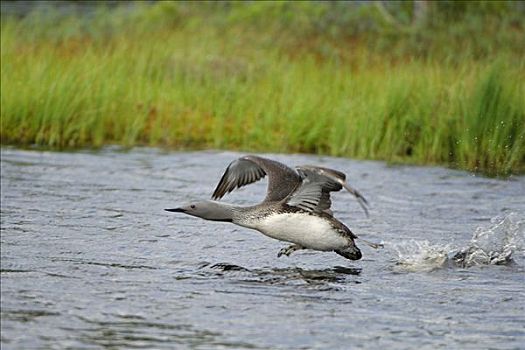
(192, 77)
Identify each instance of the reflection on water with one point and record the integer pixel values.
(89, 259)
(287, 275)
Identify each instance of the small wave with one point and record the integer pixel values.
(494, 244)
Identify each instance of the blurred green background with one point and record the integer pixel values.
(412, 81)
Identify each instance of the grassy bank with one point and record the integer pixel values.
(270, 78)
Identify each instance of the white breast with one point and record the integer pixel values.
(308, 231)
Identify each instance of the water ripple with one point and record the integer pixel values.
(89, 259)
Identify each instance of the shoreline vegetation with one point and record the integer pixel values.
(406, 82)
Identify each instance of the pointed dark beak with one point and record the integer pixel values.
(176, 210)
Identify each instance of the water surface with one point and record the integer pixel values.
(89, 259)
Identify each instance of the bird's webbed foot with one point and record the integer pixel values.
(289, 250)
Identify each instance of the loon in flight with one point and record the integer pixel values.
(296, 208)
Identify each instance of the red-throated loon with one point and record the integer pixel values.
(296, 208)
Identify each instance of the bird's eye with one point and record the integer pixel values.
(192, 206)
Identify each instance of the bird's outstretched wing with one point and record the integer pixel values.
(336, 177)
(282, 180)
(314, 192)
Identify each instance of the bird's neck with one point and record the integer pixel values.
(226, 212)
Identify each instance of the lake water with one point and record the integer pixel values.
(90, 260)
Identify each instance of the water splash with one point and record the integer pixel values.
(419, 256)
(494, 244)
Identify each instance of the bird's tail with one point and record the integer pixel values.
(370, 244)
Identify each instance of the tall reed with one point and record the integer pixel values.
(148, 78)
